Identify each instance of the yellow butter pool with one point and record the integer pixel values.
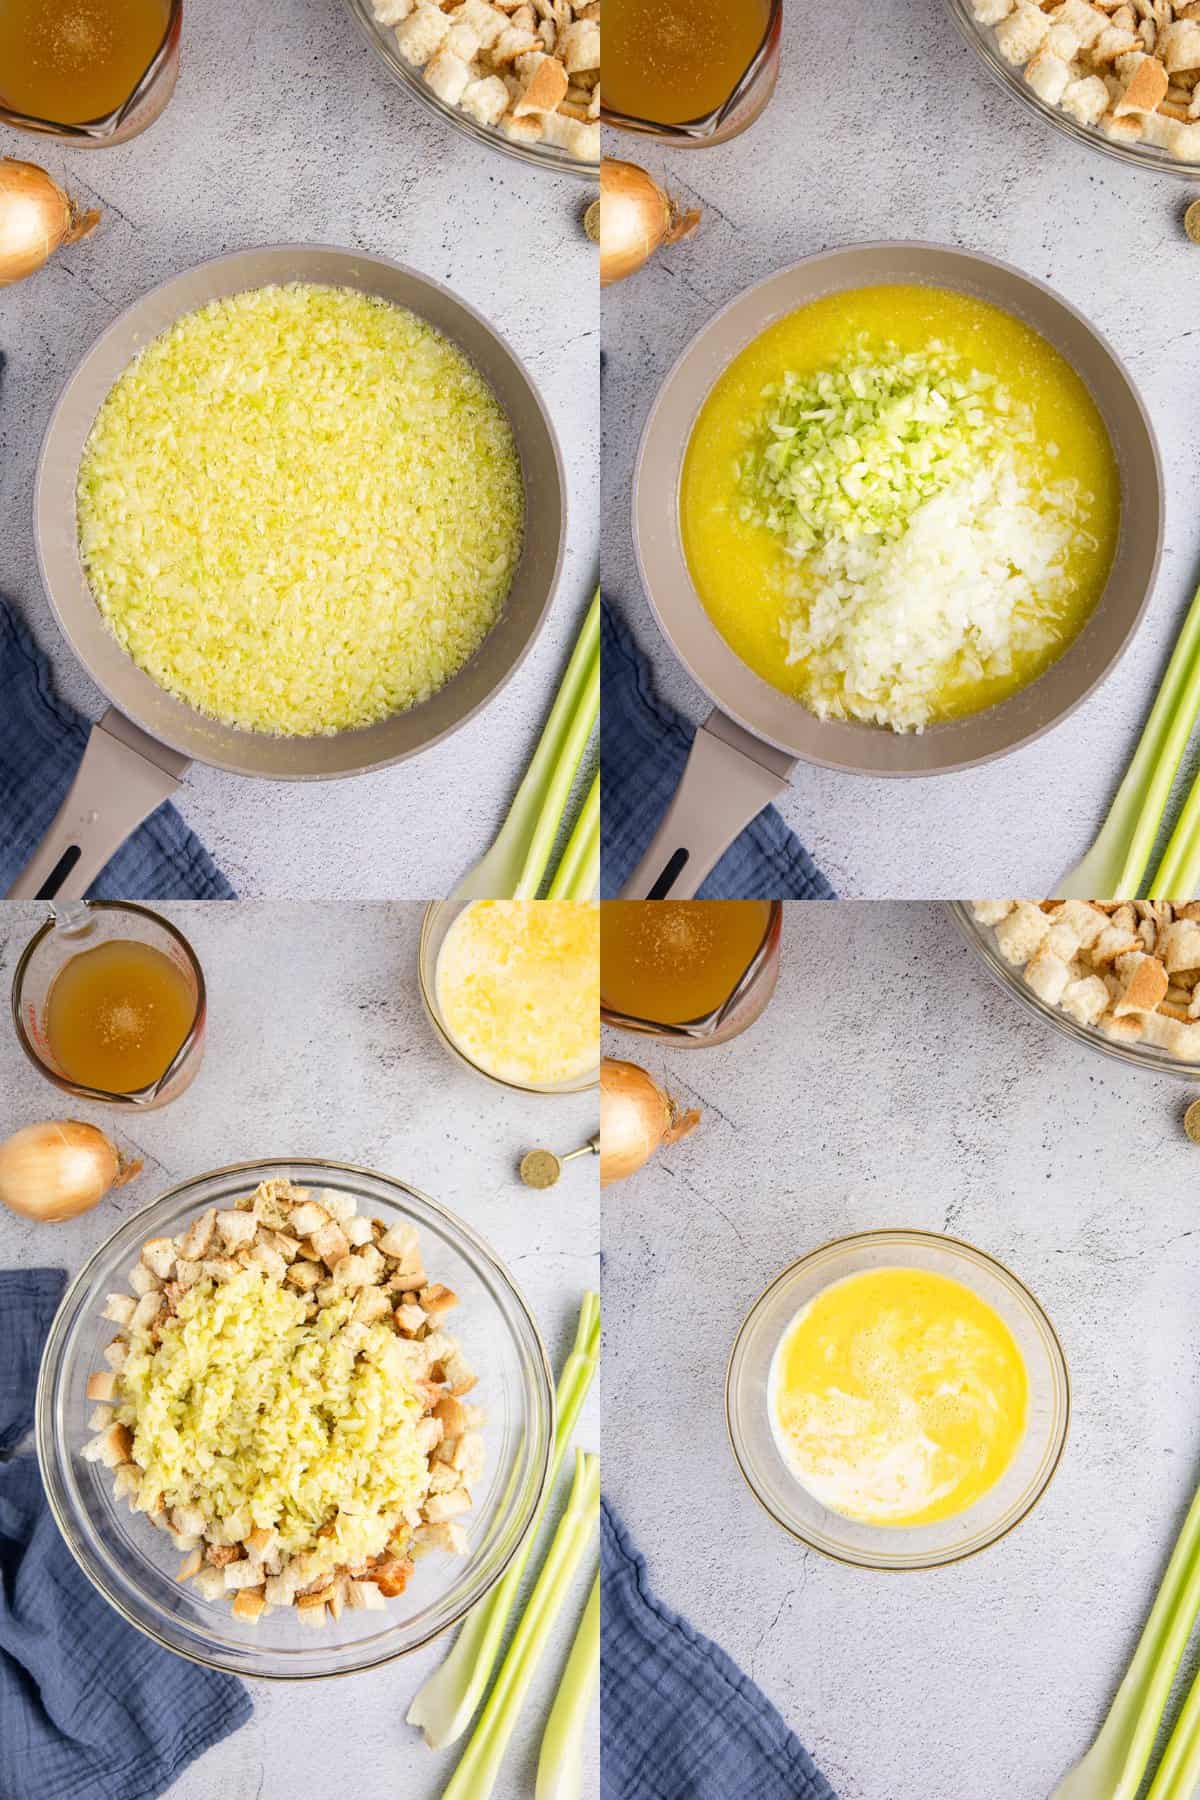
(742, 571)
(898, 1397)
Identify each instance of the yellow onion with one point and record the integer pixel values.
(36, 219)
(61, 1168)
(636, 218)
(636, 1119)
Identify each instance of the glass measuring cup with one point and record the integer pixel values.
(745, 1002)
(71, 928)
(736, 113)
(138, 110)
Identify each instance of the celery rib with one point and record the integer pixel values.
(475, 1776)
(547, 784)
(444, 1705)
(560, 1761)
(1114, 1766)
(574, 878)
(1179, 1771)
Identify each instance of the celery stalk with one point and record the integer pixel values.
(1179, 871)
(444, 1705)
(574, 878)
(1179, 1771)
(547, 784)
(560, 1763)
(1114, 867)
(1114, 1766)
(476, 1774)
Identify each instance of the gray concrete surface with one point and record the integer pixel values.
(317, 1044)
(889, 126)
(891, 1083)
(286, 127)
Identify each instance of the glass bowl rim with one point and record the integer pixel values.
(45, 1437)
(80, 1089)
(433, 1014)
(556, 161)
(1147, 1057)
(900, 1235)
(1142, 156)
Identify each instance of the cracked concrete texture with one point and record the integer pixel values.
(294, 132)
(317, 1045)
(890, 1082)
(902, 133)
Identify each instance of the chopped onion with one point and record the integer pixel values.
(36, 219)
(636, 218)
(58, 1169)
(636, 1119)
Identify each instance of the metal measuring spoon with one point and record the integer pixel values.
(542, 1168)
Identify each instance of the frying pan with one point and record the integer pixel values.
(747, 749)
(141, 749)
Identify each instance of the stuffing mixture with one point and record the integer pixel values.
(283, 1400)
(530, 69)
(1128, 68)
(1130, 970)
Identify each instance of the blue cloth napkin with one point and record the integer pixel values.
(41, 743)
(678, 1719)
(89, 1708)
(644, 747)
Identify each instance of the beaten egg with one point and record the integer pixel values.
(898, 1396)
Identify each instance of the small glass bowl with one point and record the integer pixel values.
(865, 1546)
(744, 106)
(982, 38)
(136, 112)
(133, 1564)
(746, 1004)
(439, 916)
(982, 940)
(382, 39)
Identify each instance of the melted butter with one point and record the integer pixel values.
(741, 570)
(898, 1397)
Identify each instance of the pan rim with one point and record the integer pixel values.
(231, 765)
(830, 759)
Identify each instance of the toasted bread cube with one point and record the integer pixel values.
(1085, 999)
(365, 1596)
(446, 1534)
(1168, 1034)
(469, 1458)
(112, 1447)
(305, 1276)
(236, 1229)
(307, 1218)
(440, 1507)
(392, 12)
(1020, 35)
(990, 12)
(242, 1574)
(101, 1385)
(422, 33)
(311, 1613)
(1116, 42)
(1075, 26)
(330, 1244)
(100, 1418)
(159, 1257)
(1113, 940)
(115, 1354)
(410, 1319)
(1147, 86)
(579, 46)
(452, 1415)
(1020, 933)
(146, 1312)
(990, 912)
(119, 1308)
(209, 1583)
(249, 1604)
(1178, 139)
(429, 1434)
(401, 1243)
(545, 86)
(1048, 75)
(1179, 45)
(143, 1280)
(197, 1239)
(484, 22)
(582, 141)
(191, 1565)
(1122, 1031)
(358, 1232)
(447, 75)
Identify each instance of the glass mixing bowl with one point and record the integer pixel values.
(134, 1565)
(983, 40)
(382, 40)
(982, 940)
(436, 921)
(995, 1513)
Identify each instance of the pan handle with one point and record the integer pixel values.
(124, 775)
(729, 778)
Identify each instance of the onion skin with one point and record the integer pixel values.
(55, 1170)
(636, 1119)
(636, 218)
(37, 217)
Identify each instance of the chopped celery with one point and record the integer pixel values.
(445, 1705)
(560, 1764)
(475, 1776)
